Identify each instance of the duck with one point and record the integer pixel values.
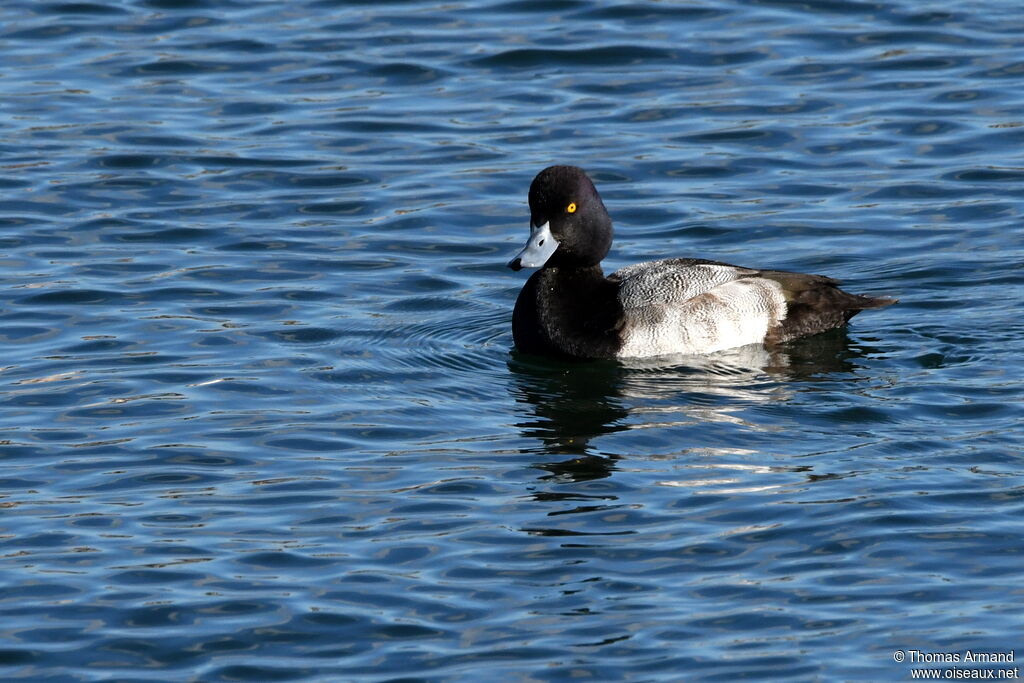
(676, 306)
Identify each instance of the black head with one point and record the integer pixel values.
(565, 200)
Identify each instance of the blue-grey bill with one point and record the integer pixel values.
(538, 249)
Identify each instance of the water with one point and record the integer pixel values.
(262, 421)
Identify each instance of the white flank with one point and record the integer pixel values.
(695, 309)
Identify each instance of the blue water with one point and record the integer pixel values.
(261, 418)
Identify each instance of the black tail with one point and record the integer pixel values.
(865, 302)
(816, 304)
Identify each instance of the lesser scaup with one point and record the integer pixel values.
(672, 306)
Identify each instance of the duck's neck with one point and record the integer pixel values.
(577, 310)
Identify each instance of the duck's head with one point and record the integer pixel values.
(569, 226)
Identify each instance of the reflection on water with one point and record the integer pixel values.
(572, 404)
(577, 401)
(734, 478)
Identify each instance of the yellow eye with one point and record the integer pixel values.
(571, 208)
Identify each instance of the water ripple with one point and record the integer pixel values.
(262, 415)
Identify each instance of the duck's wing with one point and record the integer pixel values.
(698, 306)
(690, 306)
(672, 281)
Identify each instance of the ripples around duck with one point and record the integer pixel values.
(261, 418)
